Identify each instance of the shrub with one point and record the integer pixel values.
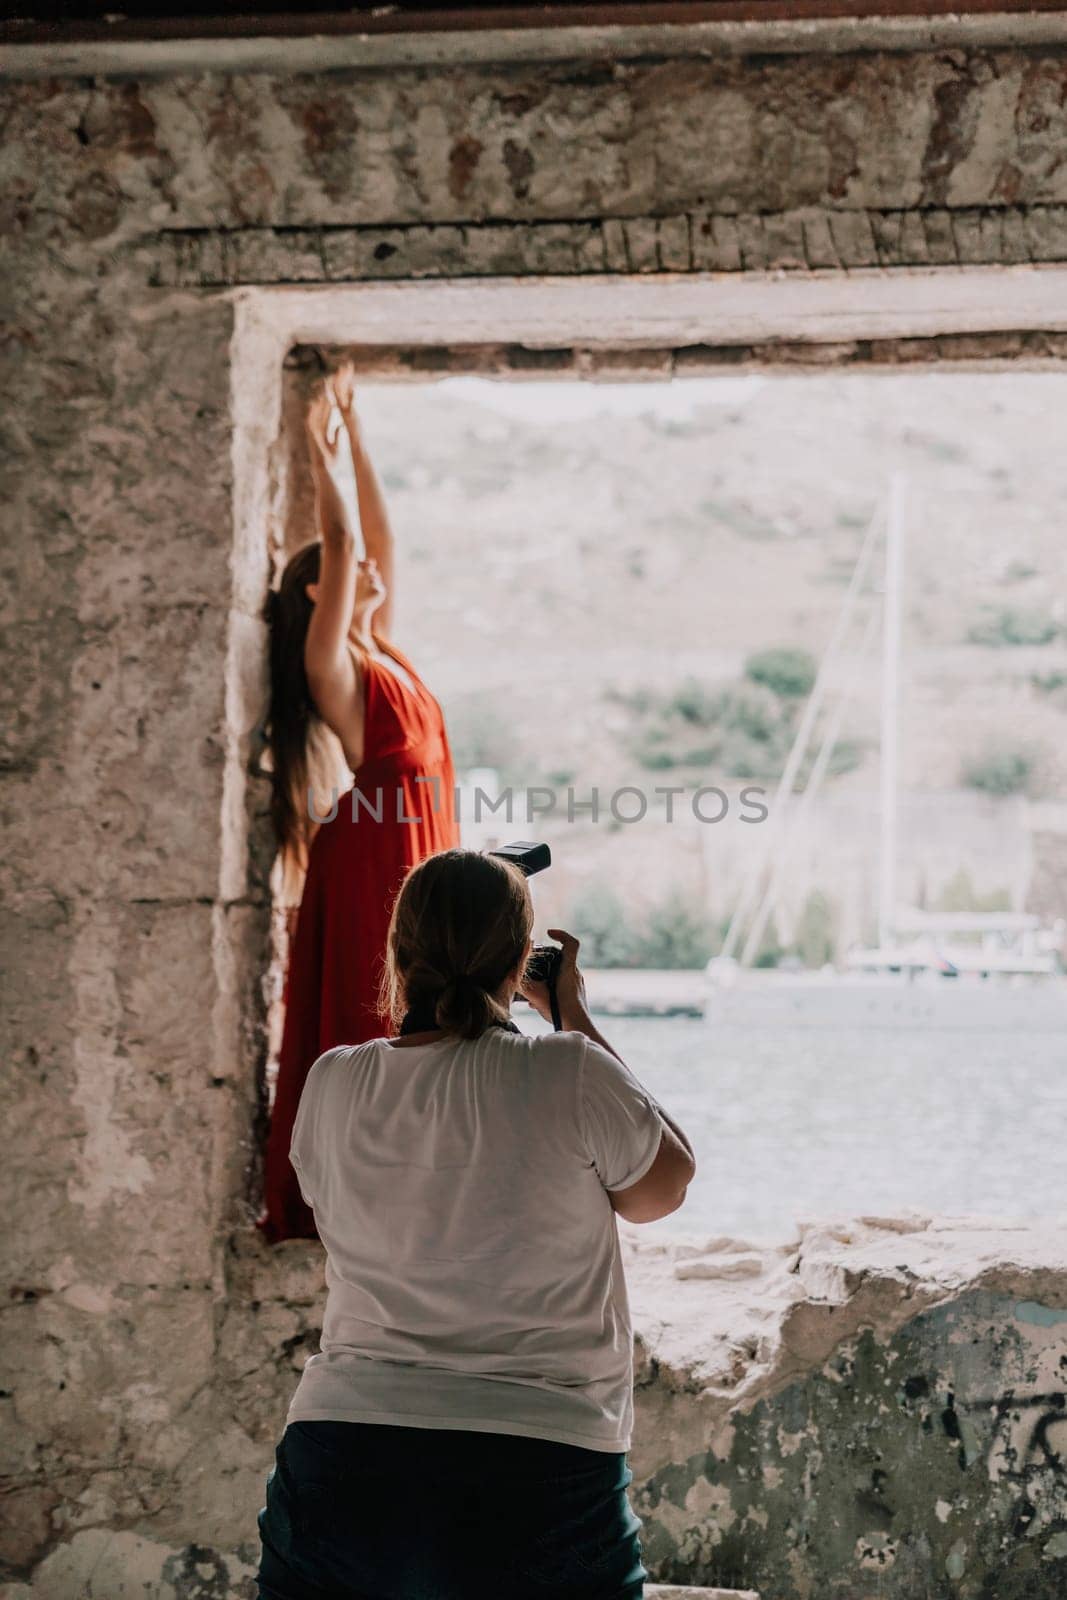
(999, 772)
(815, 939)
(695, 702)
(787, 672)
(600, 920)
(742, 729)
(675, 935)
(959, 894)
(740, 519)
(1011, 625)
(1049, 682)
(846, 756)
(672, 934)
(849, 517)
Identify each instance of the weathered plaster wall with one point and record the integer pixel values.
(873, 1410)
(150, 1341)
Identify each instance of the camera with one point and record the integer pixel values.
(529, 858)
(544, 964)
(545, 959)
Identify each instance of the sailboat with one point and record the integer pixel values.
(927, 969)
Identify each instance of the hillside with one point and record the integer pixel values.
(567, 547)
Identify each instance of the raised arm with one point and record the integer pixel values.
(373, 516)
(333, 676)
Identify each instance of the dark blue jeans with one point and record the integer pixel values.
(369, 1511)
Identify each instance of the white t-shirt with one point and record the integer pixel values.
(473, 1267)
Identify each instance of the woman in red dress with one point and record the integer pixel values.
(332, 667)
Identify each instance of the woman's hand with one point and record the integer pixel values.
(327, 439)
(376, 536)
(332, 468)
(570, 988)
(343, 384)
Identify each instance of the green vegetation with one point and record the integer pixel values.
(852, 518)
(815, 935)
(740, 519)
(770, 952)
(959, 894)
(742, 729)
(1018, 571)
(943, 449)
(673, 933)
(787, 672)
(1049, 683)
(1000, 772)
(1011, 625)
(846, 756)
(601, 921)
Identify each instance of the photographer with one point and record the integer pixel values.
(463, 1432)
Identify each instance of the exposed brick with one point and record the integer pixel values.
(260, 255)
(783, 235)
(716, 247)
(854, 238)
(819, 247)
(940, 240)
(967, 232)
(672, 244)
(888, 230)
(1014, 246)
(752, 242)
(914, 248)
(616, 256)
(1046, 233)
(641, 235)
(622, 363)
(345, 252)
(794, 241)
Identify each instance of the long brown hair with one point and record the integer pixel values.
(459, 926)
(302, 750)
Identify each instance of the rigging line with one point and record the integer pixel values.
(804, 807)
(785, 784)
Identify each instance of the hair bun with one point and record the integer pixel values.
(464, 1006)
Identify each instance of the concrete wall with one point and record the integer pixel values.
(875, 1411)
(151, 1343)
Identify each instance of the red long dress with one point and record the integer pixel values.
(355, 868)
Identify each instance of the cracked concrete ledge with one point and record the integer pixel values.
(738, 1322)
(886, 1392)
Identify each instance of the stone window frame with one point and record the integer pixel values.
(604, 328)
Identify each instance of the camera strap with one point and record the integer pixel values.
(422, 1020)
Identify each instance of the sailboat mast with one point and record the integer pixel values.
(887, 874)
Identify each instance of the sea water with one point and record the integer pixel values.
(790, 1123)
